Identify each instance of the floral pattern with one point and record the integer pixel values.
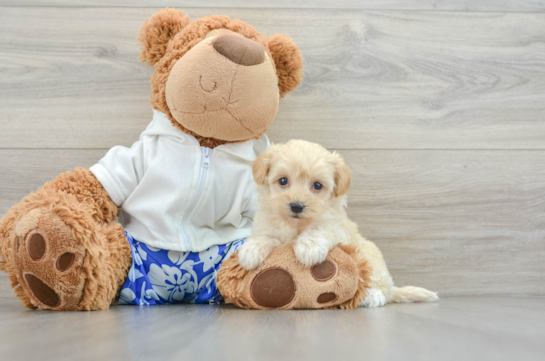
(159, 277)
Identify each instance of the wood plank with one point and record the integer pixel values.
(461, 222)
(377, 79)
(470, 329)
(458, 222)
(444, 5)
(25, 171)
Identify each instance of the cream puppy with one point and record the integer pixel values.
(301, 193)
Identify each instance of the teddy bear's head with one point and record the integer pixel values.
(216, 78)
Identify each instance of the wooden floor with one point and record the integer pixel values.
(477, 328)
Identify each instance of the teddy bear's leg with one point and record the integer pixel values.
(60, 264)
(281, 282)
(59, 253)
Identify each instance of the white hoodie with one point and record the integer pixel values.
(177, 195)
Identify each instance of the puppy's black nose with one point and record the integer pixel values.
(297, 207)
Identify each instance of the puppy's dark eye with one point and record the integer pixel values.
(283, 181)
(318, 186)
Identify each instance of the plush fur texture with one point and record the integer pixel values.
(348, 285)
(73, 214)
(288, 174)
(286, 55)
(157, 31)
(83, 185)
(288, 60)
(365, 270)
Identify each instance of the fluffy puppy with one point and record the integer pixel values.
(301, 193)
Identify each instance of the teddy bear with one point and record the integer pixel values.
(160, 222)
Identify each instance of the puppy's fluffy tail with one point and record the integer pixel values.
(409, 294)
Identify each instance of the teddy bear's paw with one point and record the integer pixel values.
(282, 282)
(47, 261)
(375, 298)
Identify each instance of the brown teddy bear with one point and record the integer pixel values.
(183, 192)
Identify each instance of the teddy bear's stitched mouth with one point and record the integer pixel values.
(206, 90)
(219, 110)
(239, 122)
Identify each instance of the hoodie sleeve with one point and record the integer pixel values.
(120, 171)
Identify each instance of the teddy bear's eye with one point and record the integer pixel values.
(283, 181)
(318, 186)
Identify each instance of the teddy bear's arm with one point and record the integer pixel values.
(87, 189)
(121, 170)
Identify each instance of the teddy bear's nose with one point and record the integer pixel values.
(239, 50)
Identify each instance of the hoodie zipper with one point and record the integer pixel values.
(205, 164)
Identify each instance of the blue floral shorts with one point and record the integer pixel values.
(160, 277)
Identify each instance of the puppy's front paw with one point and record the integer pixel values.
(375, 298)
(310, 251)
(252, 254)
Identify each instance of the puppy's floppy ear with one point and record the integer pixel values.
(157, 31)
(288, 61)
(343, 176)
(261, 166)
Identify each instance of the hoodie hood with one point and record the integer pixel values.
(161, 126)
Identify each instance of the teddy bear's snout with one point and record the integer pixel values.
(226, 80)
(239, 50)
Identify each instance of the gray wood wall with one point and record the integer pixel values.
(438, 107)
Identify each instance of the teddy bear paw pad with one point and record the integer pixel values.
(36, 246)
(65, 261)
(273, 288)
(41, 291)
(326, 297)
(46, 259)
(324, 271)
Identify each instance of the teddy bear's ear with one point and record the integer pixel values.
(157, 31)
(288, 60)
